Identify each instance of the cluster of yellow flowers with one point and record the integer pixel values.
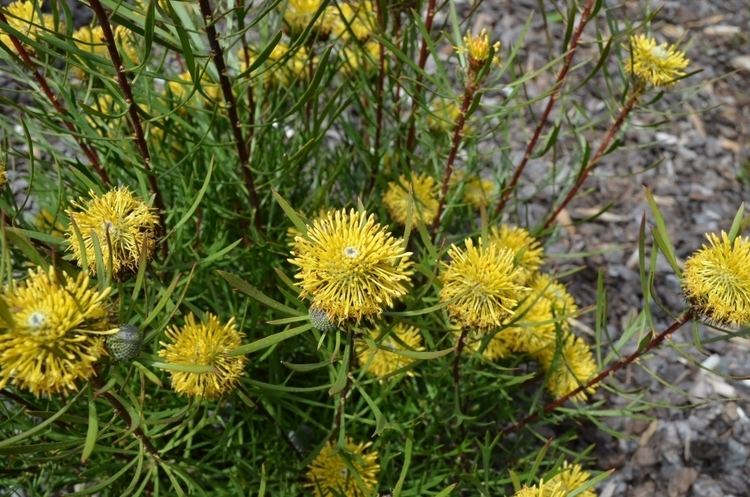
(57, 326)
(571, 478)
(496, 296)
(26, 17)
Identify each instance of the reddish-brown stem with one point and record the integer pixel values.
(246, 57)
(226, 89)
(615, 366)
(458, 133)
(412, 133)
(52, 97)
(122, 412)
(135, 119)
(552, 99)
(591, 164)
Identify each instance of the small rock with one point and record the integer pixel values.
(645, 456)
(706, 487)
(646, 489)
(742, 62)
(681, 482)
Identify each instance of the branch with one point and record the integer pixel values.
(135, 119)
(226, 88)
(52, 97)
(554, 95)
(591, 164)
(615, 366)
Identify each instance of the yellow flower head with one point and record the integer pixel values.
(91, 40)
(358, 19)
(569, 367)
(357, 58)
(204, 344)
(128, 44)
(716, 279)
(527, 251)
(350, 266)
(478, 192)
(299, 13)
(378, 359)
(56, 335)
(478, 48)
(481, 284)
(122, 225)
(283, 66)
(571, 478)
(414, 200)
(658, 65)
(443, 115)
(349, 472)
(26, 17)
(183, 88)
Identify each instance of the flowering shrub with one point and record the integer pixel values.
(269, 255)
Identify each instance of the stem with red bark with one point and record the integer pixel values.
(615, 366)
(553, 97)
(603, 146)
(226, 89)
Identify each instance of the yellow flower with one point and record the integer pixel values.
(568, 366)
(478, 192)
(414, 200)
(3, 175)
(540, 490)
(527, 251)
(56, 335)
(183, 88)
(358, 19)
(351, 266)
(659, 65)
(379, 359)
(481, 285)
(443, 115)
(283, 66)
(204, 344)
(26, 17)
(299, 13)
(478, 49)
(128, 44)
(364, 58)
(571, 478)
(122, 225)
(91, 40)
(349, 472)
(533, 325)
(716, 279)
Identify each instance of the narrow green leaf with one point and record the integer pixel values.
(41, 426)
(185, 368)
(93, 429)
(661, 235)
(256, 294)
(423, 355)
(303, 368)
(446, 492)
(270, 340)
(198, 197)
(737, 223)
(404, 467)
(292, 214)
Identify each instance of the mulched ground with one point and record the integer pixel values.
(695, 441)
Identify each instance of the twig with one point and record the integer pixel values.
(615, 366)
(226, 88)
(603, 146)
(458, 130)
(412, 133)
(135, 119)
(122, 412)
(53, 98)
(554, 95)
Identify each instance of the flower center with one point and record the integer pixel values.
(660, 52)
(36, 320)
(351, 252)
